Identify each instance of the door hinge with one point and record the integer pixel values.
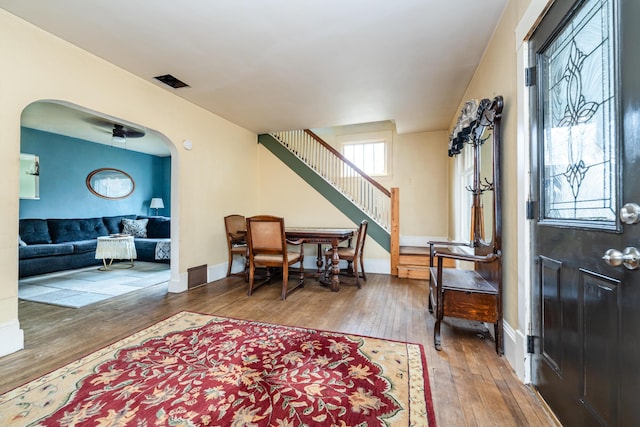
(531, 344)
(531, 209)
(530, 76)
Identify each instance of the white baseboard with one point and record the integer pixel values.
(377, 266)
(214, 272)
(11, 338)
(515, 350)
(179, 285)
(219, 271)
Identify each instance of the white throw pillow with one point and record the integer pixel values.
(135, 227)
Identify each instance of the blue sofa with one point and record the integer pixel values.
(48, 245)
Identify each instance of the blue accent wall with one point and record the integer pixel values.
(64, 165)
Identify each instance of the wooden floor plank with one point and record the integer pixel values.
(470, 384)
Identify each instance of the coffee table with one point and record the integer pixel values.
(115, 247)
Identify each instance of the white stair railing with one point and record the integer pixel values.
(338, 171)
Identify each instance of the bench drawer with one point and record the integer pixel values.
(471, 306)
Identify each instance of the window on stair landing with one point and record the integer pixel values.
(370, 152)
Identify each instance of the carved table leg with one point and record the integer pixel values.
(335, 268)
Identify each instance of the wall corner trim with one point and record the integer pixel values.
(11, 338)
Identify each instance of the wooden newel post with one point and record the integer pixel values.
(395, 230)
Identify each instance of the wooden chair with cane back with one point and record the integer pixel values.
(268, 247)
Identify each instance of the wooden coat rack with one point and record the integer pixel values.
(474, 294)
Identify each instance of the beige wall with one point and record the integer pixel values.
(422, 174)
(216, 178)
(496, 75)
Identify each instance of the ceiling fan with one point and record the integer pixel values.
(119, 133)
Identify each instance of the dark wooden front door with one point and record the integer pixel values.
(586, 167)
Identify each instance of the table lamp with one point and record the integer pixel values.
(156, 203)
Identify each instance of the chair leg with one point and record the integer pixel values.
(230, 262)
(251, 279)
(364, 276)
(356, 274)
(301, 282)
(285, 281)
(350, 267)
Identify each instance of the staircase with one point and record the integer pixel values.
(350, 190)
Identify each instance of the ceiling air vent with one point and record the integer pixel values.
(169, 80)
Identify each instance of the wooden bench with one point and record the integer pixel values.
(467, 294)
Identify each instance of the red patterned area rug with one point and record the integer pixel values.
(201, 370)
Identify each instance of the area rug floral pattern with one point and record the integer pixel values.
(201, 370)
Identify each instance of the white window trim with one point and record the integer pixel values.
(385, 136)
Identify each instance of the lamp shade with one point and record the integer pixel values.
(156, 203)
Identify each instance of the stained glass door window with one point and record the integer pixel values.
(579, 151)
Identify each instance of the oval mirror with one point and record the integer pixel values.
(110, 183)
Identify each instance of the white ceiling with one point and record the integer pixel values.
(270, 65)
(71, 120)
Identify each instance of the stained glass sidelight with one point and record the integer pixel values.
(579, 116)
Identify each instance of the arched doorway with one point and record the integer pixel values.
(69, 143)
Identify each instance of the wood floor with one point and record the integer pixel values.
(471, 385)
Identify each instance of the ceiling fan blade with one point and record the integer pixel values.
(116, 129)
(133, 133)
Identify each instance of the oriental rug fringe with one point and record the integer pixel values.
(201, 370)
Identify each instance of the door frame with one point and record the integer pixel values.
(520, 359)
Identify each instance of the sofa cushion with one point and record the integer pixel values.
(42, 250)
(34, 231)
(146, 249)
(84, 246)
(135, 227)
(159, 228)
(114, 223)
(71, 230)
